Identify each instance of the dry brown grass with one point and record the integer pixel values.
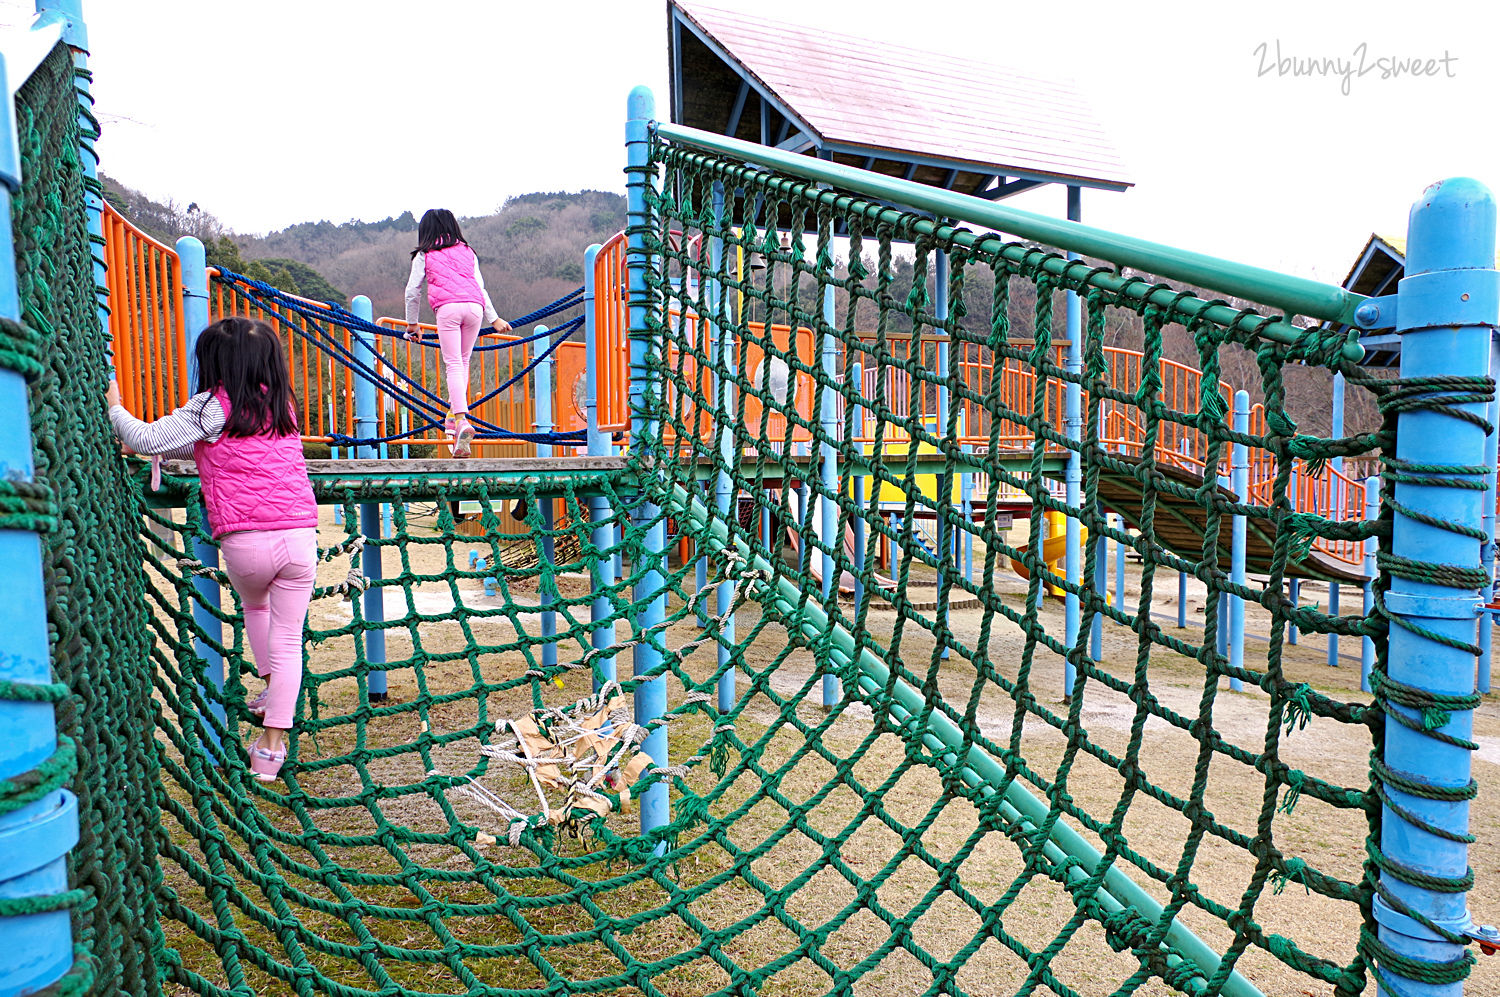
(1328, 838)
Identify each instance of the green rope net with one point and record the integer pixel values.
(949, 824)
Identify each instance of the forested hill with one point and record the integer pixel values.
(531, 250)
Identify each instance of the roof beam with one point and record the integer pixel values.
(797, 143)
(901, 156)
(1010, 189)
(739, 108)
(723, 56)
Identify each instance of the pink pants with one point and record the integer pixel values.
(458, 328)
(273, 571)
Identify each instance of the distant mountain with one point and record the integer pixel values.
(530, 251)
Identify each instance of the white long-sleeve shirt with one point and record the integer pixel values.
(414, 290)
(201, 417)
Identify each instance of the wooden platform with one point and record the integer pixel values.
(1180, 524)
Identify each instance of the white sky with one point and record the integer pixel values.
(279, 111)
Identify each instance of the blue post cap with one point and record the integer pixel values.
(1452, 227)
(641, 104)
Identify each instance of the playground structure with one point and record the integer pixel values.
(416, 845)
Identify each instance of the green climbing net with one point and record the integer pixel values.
(948, 825)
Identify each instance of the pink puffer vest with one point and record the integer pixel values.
(254, 482)
(450, 277)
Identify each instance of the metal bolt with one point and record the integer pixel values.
(1367, 314)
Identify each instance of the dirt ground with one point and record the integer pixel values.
(778, 844)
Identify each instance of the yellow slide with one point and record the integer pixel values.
(1054, 551)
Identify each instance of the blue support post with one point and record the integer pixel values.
(35, 838)
(366, 426)
(1487, 552)
(856, 377)
(649, 606)
(1447, 308)
(1336, 494)
(942, 532)
(726, 501)
(1367, 644)
(541, 386)
(1119, 567)
(209, 599)
(603, 634)
(828, 478)
(1182, 448)
(1073, 475)
(1239, 482)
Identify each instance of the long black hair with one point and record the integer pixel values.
(438, 229)
(244, 357)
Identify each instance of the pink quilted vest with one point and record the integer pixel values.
(450, 277)
(254, 482)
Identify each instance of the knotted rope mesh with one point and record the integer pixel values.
(949, 825)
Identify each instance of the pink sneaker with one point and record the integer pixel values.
(463, 439)
(257, 706)
(265, 763)
(449, 427)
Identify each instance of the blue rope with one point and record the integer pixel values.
(341, 316)
(433, 410)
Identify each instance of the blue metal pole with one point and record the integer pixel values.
(1367, 644)
(1336, 493)
(857, 523)
(35, 838)
(367, 425)
(1073, 476)
(603, 635)
(943, 533)
(1296, 596)
(541, 380)
(1487, 552)
(828, 473)
(209, 597)
(1447, 308)
(1182, 447)
(649, 606)
(1239, 476)
(1119, 567)
(726, 501)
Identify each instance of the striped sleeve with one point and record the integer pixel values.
(200, 418)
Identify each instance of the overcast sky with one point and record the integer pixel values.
(292, 110)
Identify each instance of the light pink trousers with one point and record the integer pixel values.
(457, 329)
(273, 571)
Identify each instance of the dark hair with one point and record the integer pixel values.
(438, 229)
(244, 357)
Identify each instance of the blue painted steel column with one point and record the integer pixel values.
(368, 424)
(541, 386)
(1337, 498)
(1487, 552)
(1073, 476)
(1119, 567)
(209, 596)
(942, 532)
(1182, 448)
(35, 838)
(726, 501)
(828, 477)
(1239, 481)
(602, 636)
(1367, 645)
(1448, 306)
(649, 606)
(857, 523)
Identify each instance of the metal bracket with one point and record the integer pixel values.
(1487, 935)
(1376, 313)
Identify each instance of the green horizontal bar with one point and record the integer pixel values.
(1293, 295)
(980, 769)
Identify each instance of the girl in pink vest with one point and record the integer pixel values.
(456, 292)
(241, 428)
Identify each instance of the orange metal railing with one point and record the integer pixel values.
(145, 315)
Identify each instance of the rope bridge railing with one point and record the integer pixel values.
(971, 699)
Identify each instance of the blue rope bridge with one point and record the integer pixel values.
(314, 323)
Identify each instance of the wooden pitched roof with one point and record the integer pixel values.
(869, 102)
